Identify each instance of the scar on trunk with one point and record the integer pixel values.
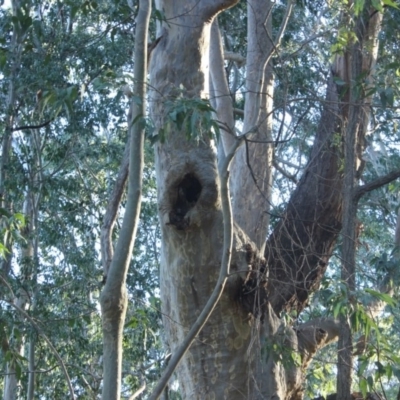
(185, 195)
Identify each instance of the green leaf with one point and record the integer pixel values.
(3, 59)
(377, 4)
(8, 356)
(358, 6)
(382, 296)
(337, 309)
(4, 212)
(18, 370)
(133, 323)
(370, 381)
(363, 386)
(339, 82)
(390, 3)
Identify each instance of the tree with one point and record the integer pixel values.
(296, 253)
(246, 350)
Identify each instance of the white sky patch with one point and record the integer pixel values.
(5, 4)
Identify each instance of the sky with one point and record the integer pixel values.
(5, 3)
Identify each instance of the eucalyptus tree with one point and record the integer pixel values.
(247, 349)
(286, 98)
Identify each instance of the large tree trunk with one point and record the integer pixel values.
(237, 354)
(224, 362)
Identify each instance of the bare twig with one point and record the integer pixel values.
(284, 173)
(284, 23)
(26, 127)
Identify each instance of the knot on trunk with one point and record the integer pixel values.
(253, 294)
(311, 339)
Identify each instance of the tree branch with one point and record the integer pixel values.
(376, 184)
(223, 99)
(284, 173)
(24, 127)
(110, 215)
(235, 57)
(315, 334)
(284, 22)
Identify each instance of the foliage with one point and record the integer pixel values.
(69, 134)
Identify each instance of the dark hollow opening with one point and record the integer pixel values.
(188, 193)
(189, 189)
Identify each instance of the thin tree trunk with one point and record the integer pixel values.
(114, 297)
(15, 54)
(252, 167)
(22, 300)
(359, 58)
(31, 367)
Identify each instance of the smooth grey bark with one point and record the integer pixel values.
(222, 277)
(31, 365)
(252, 168)
(29, 250)
(110, 216)
(113, 298)
(15, 51)
(221, 93)
(28, 271)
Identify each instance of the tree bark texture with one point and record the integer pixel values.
(236, 355)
